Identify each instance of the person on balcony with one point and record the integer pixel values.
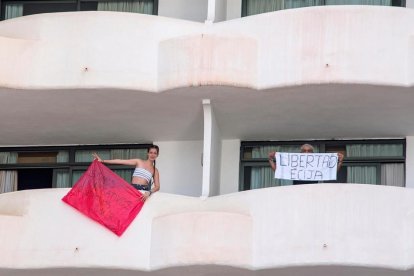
(145, 173)
(305, 148)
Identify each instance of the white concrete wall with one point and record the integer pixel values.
(180, 167)
(409, 4)
(221, 10)
(266, 230)
(409, 162)
(331, 48)
(233, 9)
(194, 10)
(230, 166)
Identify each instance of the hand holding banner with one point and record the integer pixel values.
(306, 166)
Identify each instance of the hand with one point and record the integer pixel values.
(340, 157)
(145, 196)
(96, 157)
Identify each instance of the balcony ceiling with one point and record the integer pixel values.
(119, 116)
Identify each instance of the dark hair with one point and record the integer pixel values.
(154, 147)
(158, 152)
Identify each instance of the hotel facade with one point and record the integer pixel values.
(217, 85)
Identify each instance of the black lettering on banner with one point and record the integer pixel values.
(333, 162)
(309, 160)
(301, 174)
(318, 174)
(293, 174)
(281, 160)
(294, 160)
(319, 159)
(308, 174)
(302, 163)
(325, 162)
(307, 166)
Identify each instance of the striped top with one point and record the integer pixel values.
(142, 173)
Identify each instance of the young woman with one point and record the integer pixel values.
(145, 172)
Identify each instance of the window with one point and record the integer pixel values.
(42, 157)
(379, 162)
(58, 167)
(14, 8)
(252, 7)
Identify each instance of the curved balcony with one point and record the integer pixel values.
(348, 70)
(297, 230)
(333, 44)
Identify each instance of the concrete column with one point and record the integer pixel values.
(217, 11)
(211, 11)
(211, 152)
(409, 162)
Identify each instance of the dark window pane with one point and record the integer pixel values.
(89, 6)
(35, 8)
(34, 179)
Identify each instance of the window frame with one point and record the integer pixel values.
(71, 165)
(322, 144)
(77, 2)
(394, 3)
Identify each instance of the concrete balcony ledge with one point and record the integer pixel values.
(296, 230)
(318, 45)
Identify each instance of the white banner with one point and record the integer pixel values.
(306, 166)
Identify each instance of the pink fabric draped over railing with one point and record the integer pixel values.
(105, 197)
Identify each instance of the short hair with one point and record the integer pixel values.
(308, 146)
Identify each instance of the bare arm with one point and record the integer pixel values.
(272, 162)
(156, 182)
(128, 162)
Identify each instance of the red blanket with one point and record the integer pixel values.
(106, 198)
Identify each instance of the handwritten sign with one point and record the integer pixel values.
(306, 166)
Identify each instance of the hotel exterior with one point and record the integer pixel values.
(217, 85)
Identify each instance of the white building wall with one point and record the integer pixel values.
(194, 10)
(229, 172)
(221, 10)
(163, 62)
(409, 4)
(354, 226)
(179, 165)
(409, 162)
(233, 9)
